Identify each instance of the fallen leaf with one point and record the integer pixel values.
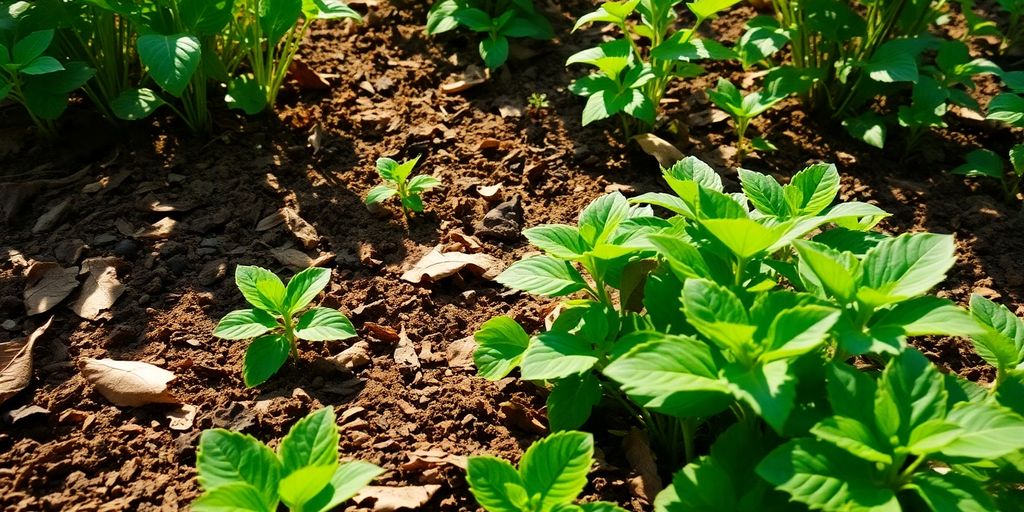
(46, 284)
(315, 139)
(659, 148)
(460, 353)
(356, 356)
(101, 288)
(183, 417)
(16, 363)
(423, 459)
(298, 260)
(461, 242)
(15, 415)
(643, 461)
(160, 230)
(706, 117)
(129, 383)
(53, 216)
(489, 192)
(390, 499)
(151, 203)
(509, 110)
(382, 332)
(306, 77)
(472, 77)
(405, 351)
(270, 221)
(521, 416)
(437, 265)
(302, 230)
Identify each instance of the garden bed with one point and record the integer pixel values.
(416, 412)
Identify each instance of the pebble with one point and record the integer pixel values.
(126, 248)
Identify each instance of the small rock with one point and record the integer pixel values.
(9, 324)
(504, 222)
(178, 264)
(69, 251)
(212, 272)
(126, 248)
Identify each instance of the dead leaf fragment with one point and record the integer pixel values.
(270, 221)
(160, 230)
(129, 383)
(472, 77)
(489, 192)
(382, 332)
(354, 357)
(659, 148)
(405, 351)
(46, 284)
(643, 461)
(390, 499)
(460, 353)
(15, 415)
(151, 203)
(302, 230)
(423, 459)
(306, 77)
(101, 288)
(316, 137)
(437, 265)
(52, 217)
(16, 363)
(183, 417)
(298, 260)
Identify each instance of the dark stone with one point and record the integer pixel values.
(504, 222)
(126, 248)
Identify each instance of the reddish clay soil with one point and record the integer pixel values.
(86, 454)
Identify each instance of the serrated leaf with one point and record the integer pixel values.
(260, 287)
(558, 240)
(556, 355)
(555, 468)
(906, 266)
(487, 477)
(543, 275)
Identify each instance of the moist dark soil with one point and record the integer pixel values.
(385, 99)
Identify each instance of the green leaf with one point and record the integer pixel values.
(764, 193)
(835, 272)
(718, 314)
(494, 51)
(854, 437)
(380, 193)
(261, 288)
(234, 497)
(312, 441)
(305, 483)
(868, 127)
(675, 375)
(825, 477)
(798, 330)
(244, 323)
(277, 17)
(951, 492)
(171, 60)
(1001, 342)
(1007, 107)
(813, 189)
(556, 355)
(769, 390)
(135, 104)
(906, 266)
(487, 477)
(30, 47)
(335, 9)
(348, 479)
(502, 343)
(910, 392)
(205, 17)
(932, 436)
(304, 287)
(707, 8)
(675, 48)
(558, 240)
(474, 19)
(263, 358)
(224, 458)
(851, 392)
(543, 275)
(745, 238)
(324, 324)
(42, 65)
(422, 183)
(571, 401)
(245, 93)
(891, 62)
(990, 431)
(600, 218)
(555, 468)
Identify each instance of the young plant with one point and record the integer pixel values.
(763, 39)
(986, 163)
(497, 20)
(538, 101)
(742, 109)
(237, 472)
(275, 320)
(630, 79)
(551, 474)
(28, 76)
(397, 182)
(267, 34)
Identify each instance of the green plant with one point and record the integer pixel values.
(499, 20)
(551, 474)
(28, 75)
(1012, 30)
(742, 109)
(275, 322)
(538, 101)
(397, 182)
(267, 35)
(987, 163)
(631, 80)
(763, 39)
(237, 472)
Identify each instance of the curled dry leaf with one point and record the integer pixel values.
(302, 230)
(659, 148)
(129, 383)
(437, 265)
(306, 77)
(101, 288)
(489, 192)
(405, 351)
(183, 417)
(390, 499)
(46, 284)
(424, 459)
(16, 363)
(160, 230)
(352, 358)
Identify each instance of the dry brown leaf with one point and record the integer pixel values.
(390, 499)
(101, 288)
(16, 363)
(183, 417)
(643, 461)
(489, 192)
(423, 459)
(151, 203)
(382, 332)
(129, 383)
(52, 217)
(659, 148)
(472, 77)
(437, 265)
(706, 117)
(306, 77)
(405, 351)
(460, 353)
(461, 242)
(46, 284)
(356, 356)
(298, 260)
(302, 230)
(160, 230)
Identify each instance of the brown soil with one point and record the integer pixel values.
(86, 454)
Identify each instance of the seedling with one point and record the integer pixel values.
(986, 163)
(538, 102)
(551, 474)
(397, 182)
(742, 109)
(237, 472)
(38, 82)
(497, 20)
(275, 320)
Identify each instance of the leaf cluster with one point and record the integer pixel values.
(496, 20)
(397, 183)
(237, 472)
(279, 318)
